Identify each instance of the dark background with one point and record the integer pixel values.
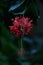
(38, 30)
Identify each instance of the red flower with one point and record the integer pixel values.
(21, 26)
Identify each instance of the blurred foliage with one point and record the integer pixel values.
(3, 59)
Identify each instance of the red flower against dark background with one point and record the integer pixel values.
(21, 26)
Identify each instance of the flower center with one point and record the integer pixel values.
(21, 26)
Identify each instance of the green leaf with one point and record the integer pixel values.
(34, 9)
(16, 5)
(22, 13)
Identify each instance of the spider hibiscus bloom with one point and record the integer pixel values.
(21, 26)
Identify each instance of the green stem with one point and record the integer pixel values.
(21, 44)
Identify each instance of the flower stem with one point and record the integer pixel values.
(21, 44)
